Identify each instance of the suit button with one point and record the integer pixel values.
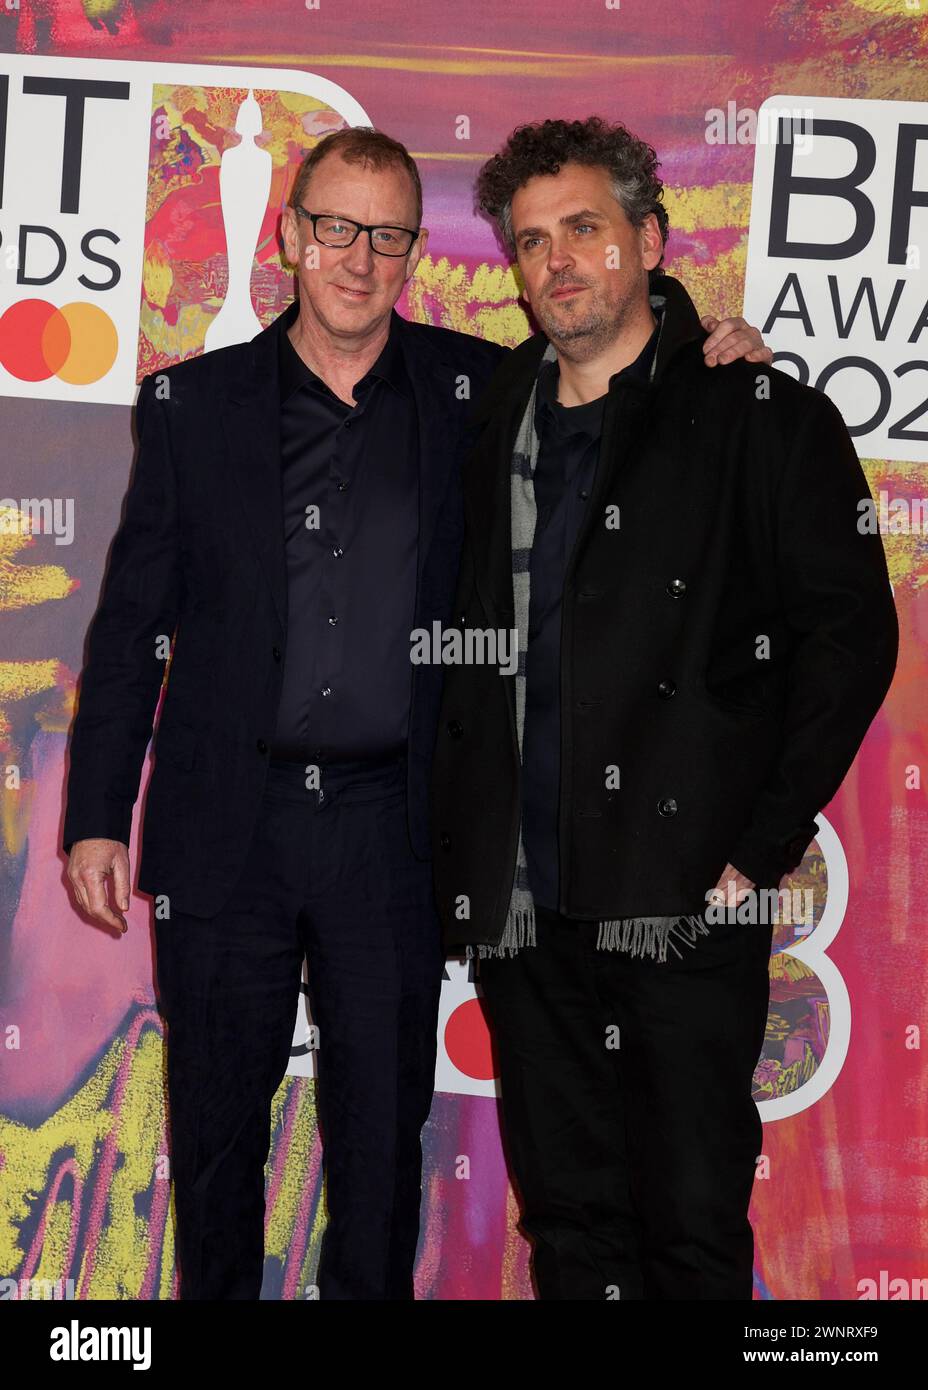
(444, 840)
(456, 729)
(262, 746)
(667, 806)
(275, 653)
(676, 588)
(665, 689)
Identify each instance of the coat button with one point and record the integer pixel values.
(275, 653)
(261, 746)
(665, 689)
(456, 729)
(667, 806)
(676, 588)
(444, 840)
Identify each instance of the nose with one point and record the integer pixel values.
(359, 257)
(559, 257)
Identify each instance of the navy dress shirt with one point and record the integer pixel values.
(350, 483)
(568, 451)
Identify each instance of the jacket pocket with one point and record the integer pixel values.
(739, 697)
(177, 744)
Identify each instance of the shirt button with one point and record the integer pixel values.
(584, 496)
(261, 746)
(676, 588)
(341, 484)
(326, 691)
(338, 552)
(332, 620)
(667, 806)
(445, 841)
(275, 653)
(456, 728)
(665, 689)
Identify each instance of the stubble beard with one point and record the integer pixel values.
(581, 337)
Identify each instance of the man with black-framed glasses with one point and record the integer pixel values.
(295, 513)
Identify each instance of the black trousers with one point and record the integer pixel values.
(330, 875)
(630, 1127)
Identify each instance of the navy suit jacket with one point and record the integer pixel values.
(200, 556)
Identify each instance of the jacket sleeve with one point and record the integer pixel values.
(123, 674)
(837, 602)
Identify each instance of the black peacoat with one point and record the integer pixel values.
(728, 634)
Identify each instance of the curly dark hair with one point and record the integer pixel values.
(543, 147)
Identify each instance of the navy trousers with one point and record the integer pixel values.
(630, 1127)
(330, 875)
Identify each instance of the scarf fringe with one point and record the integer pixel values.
(519, 931)
(650, 936)
(635, 936)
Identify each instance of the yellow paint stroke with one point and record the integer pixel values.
(25, 586)
(100, 9)
(482, 302)
(893, 9)
(78, 1131)
(157, 275)
(580, 66)
(282, 1218)
(21, 586)
(515, 1251)
(700, 209)
(78, 1128)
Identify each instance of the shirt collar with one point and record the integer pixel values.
(389, 367)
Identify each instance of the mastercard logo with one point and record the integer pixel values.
(77, 343)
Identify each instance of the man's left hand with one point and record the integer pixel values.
(732, 885)
(731, 339)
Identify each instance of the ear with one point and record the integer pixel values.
(289, 226)
(649, 238)
(416, 252)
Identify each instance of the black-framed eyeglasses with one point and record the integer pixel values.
(330, 230)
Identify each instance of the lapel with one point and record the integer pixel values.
(433, 379)
(251, 424)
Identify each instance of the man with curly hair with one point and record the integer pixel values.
(704, 637)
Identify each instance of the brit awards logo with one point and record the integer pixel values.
(139, 212)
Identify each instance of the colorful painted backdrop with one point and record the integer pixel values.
(84, 1190)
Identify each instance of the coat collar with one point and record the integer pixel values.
(679, 326)
(500, 410)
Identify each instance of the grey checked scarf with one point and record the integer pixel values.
(638, 936)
